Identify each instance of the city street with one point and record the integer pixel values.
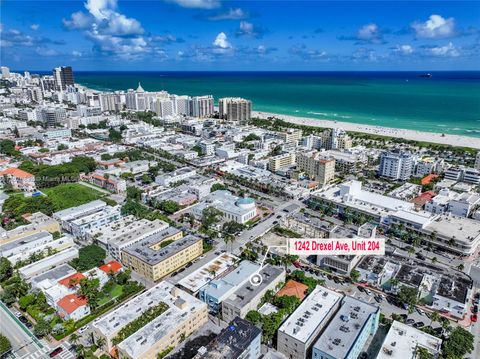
(24, 344)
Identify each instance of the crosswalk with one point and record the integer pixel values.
(44, 353)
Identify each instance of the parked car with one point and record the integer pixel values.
(55, 352)
(360, 288)
(475, 309)
(473, 318)
(297, 265)
(420, 311)
(368, 291)
(410, 321)
(419, 325)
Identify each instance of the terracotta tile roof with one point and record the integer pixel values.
(15, 172)
(71, 303)
(72, 280)
(293, 289)
(112, 266)
(424, 198)
(427, 179)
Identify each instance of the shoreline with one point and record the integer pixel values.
(432, 137)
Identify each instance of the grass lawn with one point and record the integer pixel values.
(70, 195)
(113, 293)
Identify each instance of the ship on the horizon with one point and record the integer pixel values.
(427, 75)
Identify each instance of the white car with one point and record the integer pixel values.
(368, 291)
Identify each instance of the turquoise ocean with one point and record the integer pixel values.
(446, 102)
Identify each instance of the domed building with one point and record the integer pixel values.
(238, 209)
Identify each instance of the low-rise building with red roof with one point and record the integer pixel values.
(111, 267)
(72, 280)
(18, 179)
(73, 307)
(293, 289)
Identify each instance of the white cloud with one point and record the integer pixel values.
(197, 4)
(78, 20)
(46, 52)
(435, 27)
(119, 24)
(34, 27)
(77, 53)
(368, 32)
(112, 33)
(404, 49)
(101, 9)
(221, 41)
(444, 51)
(231, 14)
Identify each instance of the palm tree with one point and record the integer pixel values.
(461, 267)
(74, 338)
(434, 317)
(100, 341)
(434, 260)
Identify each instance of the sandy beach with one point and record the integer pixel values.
(445, 139)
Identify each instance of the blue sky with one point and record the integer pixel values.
(240, 35)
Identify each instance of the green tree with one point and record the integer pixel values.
(408, 296)
(114, 135)
(134, 193)
(210, 216)
(168, 206)
(7, 147)
(42, 328)
(89, 257)
(355, 275)
(218, 187)
(89, 288)
(232, 227)
(423, 353)
(5, 345)
(6, 269)
(254, 317)
(459, 343)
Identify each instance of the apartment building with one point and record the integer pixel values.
(119, 238)
(235, 108)
(38, 222)
(396, 165)
(317, 167)
(218, 290)
(281, 161)
(18, 179)
(84, 225)
(239, 340)
(404, 341)
(176, 176)
(248, 297)
(45, 264)
(184, 315)
(158, 255)
(290, 135)
(40, 242)
(298, 333)
(348, 331)
(69, 214)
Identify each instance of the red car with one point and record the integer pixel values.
(474, 318)
(297, 264)
(56, 352)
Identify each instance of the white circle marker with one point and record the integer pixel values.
(256, 279)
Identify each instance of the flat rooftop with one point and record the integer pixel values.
(342, 332)
(54, 274)
(50, 261)
(232, 341)
(69, 213)
(136, 230)
(247, 292)
(219, 287)
(197, 279)
(181, 308)
(462, 229)
(112, 322)
(311, 314)
(455, 288)
(402, 341)
(143, 251)
(24, 240)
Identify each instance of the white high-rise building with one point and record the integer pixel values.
(5, 72)
(477, 161)
(201, 106)
(396, 165)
